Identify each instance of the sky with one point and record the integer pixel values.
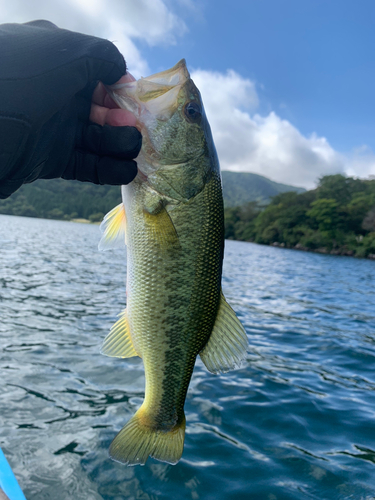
(288, 85)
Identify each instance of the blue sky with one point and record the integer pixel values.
(313, 60)
(288, 85)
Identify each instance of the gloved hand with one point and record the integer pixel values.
(47, 78)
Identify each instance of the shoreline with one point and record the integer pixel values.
(79, 220)
(323, 250)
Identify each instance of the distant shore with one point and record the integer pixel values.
(323, 250)
(336, 218)
(82, 221)
(344, 252)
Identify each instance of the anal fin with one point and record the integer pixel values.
(228, 343)
(118, 343)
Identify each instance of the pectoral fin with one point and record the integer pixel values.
(114, 229)
(118, 343)
(162, 229)
(228, 343)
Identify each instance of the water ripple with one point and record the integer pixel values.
(296, 421)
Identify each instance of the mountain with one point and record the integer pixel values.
(242, 187)
(60, 199)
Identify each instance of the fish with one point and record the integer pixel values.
(172, 221)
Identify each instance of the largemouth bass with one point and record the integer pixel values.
(172, 220)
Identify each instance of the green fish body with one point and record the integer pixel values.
(172, 219)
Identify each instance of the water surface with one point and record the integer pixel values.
(297, 421)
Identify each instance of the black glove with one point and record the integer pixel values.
(47, 77)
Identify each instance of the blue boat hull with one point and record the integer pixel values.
(8, 482)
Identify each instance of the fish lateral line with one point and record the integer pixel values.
(174, 224)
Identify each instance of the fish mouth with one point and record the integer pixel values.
(176, 75)
(151, 100)
(141, 176)
(154, 95)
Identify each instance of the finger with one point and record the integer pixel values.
(107, 63)
(128, 77)
(98, 114)
(99, 94)
(101, 97)
(120, 118)
(119, 142)
(115, 117)
(88, 167)
(109, 102)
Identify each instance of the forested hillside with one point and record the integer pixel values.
(338, 217)
(59, 199)
(241, 187)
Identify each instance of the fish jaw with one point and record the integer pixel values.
(159, 103)
(152, 97)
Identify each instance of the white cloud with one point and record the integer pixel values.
(225, 92)
(268, 145)
(149, 20)
(361, 163)
(246, 141)
(121, 21)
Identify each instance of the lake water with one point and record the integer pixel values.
(297, 421)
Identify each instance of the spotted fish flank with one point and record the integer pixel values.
(172, 218)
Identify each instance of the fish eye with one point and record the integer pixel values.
(193, 112)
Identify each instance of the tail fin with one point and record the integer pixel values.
(137, 441)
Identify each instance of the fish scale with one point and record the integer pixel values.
(184, 308)
(172, 218)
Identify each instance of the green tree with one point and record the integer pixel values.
(324, 214)
(368, 223)
(339, 188)
(239, 221)
(97, 217)
(55, 213)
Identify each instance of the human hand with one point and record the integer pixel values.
(104, 111)
(48, 91)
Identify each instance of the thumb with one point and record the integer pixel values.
(104, 62)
